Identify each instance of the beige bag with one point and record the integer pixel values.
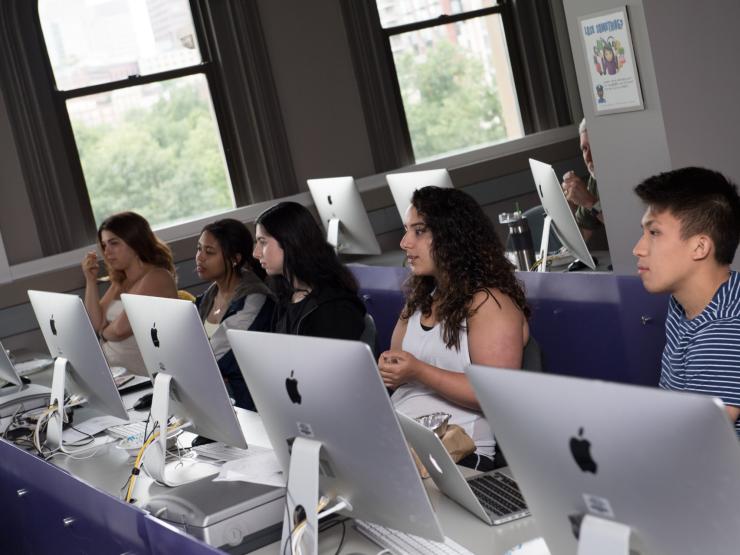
(457, 442)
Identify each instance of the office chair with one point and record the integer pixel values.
(370, 335)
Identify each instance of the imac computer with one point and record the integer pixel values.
(80, 367)
(619, 466)
(404, 184)
(343, 215)
(187, 382)
(334, 431)
(15, 394)
(558, 215)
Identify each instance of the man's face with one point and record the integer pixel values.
(665, 261)
(586, 152)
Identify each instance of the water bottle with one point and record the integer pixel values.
(520, 250)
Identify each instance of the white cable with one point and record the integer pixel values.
(341, 504)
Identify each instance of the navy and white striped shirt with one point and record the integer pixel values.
(702, 355)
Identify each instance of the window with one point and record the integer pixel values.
(167, 107)
(438, 77)
(135, 87)
(455, 77)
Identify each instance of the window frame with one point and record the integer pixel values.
(244, 97)
(206, 67)
(503, 9)
(534, 67)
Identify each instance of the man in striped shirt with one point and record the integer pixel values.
(690, 232)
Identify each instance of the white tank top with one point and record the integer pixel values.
(125, 352)
(415, 399)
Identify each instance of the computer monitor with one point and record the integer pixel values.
(404, 184)
(187, 381)
(80, 367)
(15, 395)
(559, 215)
(343, 215)
(328, 392)
(664, 464)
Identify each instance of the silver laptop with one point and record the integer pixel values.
(493, 497)
(665, 464)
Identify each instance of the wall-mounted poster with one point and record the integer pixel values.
(612, 70)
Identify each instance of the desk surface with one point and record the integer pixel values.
(457, 523)
(109, 468)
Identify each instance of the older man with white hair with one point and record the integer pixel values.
(584, 195)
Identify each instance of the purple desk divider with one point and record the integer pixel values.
(589, 324)
(597, 325)
(46, 510)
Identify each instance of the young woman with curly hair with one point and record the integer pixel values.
(137, 263)
(463, 305)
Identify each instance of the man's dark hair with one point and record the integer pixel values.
(704, 201)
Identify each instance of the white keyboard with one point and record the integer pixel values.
(400, 543)
(220, 452)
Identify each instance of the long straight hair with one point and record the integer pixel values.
(308, 258)
(135, 231)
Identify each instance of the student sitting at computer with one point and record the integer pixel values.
(463, 305)
(238, 297)
(317, 295)
(690, 232)
(138, 263)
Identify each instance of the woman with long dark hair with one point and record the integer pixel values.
(316, 294)
(237, 298)
(137, 263)
(463, 305)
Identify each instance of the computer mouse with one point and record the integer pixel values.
(201, 440)
(144, 402)
(576, 266)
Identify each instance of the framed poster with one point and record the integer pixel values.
(610, 59)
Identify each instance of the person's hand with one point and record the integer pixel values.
(90, 266)
(397, 368)
(576, 191)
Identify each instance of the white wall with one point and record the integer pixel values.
(626, 147)
(686, 56)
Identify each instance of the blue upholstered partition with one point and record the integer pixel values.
(595, 325)
(46, 510)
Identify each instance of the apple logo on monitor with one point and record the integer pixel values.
(53, 325)
(580, 447)
(291, 385)
(328, 197)
(155, 338)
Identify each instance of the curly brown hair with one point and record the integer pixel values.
(469, 258)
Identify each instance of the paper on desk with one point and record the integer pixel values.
(259, 466)
(97, 424)
(31, 366)
(252, 428)
(532, 547)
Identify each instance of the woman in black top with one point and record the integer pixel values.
(317, 295)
